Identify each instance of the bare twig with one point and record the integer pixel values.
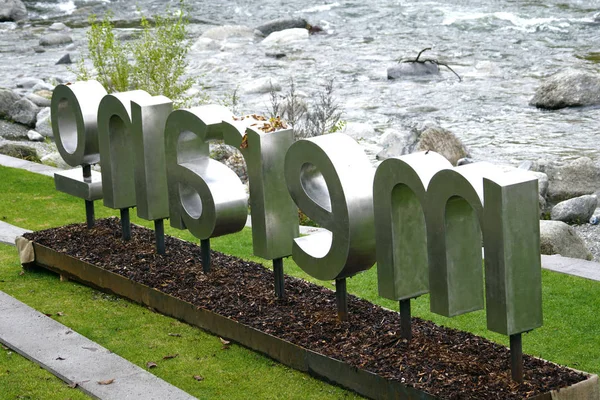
(429, 60)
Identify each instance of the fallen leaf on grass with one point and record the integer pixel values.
(170, 356)
(4, 348)
(226, 344)
(151, 364)
(175, 334)
(107, 382)
(198, 378)
(73, 385)
(60, 314)
(21, 273)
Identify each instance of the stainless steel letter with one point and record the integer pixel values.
(116, 151)
(399, 193)
(205, 196)
(329, 177)
(513, 277)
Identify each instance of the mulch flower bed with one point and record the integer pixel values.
(447, 363)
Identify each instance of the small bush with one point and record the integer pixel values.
(155, 61)
(308, 119)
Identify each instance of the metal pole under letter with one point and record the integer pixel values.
(516, 358)
(341, 296)
(279, 282)
(125, 224)
(205, 251)
(405, 320)
(159, 234)
(89, 204)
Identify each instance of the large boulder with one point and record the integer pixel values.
(411, 69)
(27, 83)
(43, 125)
(282, 24)
(286, 36)
(18, 150)
(38, 100)
(24, 112)
(556, 237)
(569, 88)
(576, 211)
(12, 10)
(55, 39)
(360, 131)
(396, 143)
(7, 99)
(443, 142)
(574, 179)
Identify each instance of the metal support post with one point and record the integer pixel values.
(341, 296)
(125, 224)
(159, 234)
(89, 204)
(516, 358)
(405, 320)
(205, 251)
(279, 282)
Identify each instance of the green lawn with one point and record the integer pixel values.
(570, 335)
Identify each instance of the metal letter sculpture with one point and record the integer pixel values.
(430, 217)
(326, 177)
(422, 194)
(73, 111)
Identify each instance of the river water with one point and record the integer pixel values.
(502, 49)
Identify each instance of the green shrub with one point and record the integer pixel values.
(155, 61)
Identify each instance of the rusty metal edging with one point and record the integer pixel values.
(363, 382)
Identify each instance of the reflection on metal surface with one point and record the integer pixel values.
(343, 205)
(399, 193)
(73, 110)
(205, 196)
(116, 150)
(274, 215)
(150, 116)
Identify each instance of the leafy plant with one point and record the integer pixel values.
(155, 61)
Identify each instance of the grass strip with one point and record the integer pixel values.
(570, 335)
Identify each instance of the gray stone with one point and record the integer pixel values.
(43, 125)
(54, 159)
(42, 86)
(27, 83)
(286, 36)
(24, 112)
(58, 26)
(556, 237)
(12, 131)
(34, 136)
(411, 69)
(19, 150)
(396, 143)
(66, 59)
(39, 49)
(577, 210)
(12, 10)
(7, 99)
(443, 142)
(55, 39)
(569, 88)
(38, 100)
(228, 31)
(574, 179)
(281, 24)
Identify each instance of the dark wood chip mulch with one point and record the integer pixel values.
(447, 363)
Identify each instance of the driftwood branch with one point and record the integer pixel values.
(432, 61)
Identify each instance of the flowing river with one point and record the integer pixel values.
(502, 49)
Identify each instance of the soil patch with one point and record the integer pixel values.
(447, 363)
